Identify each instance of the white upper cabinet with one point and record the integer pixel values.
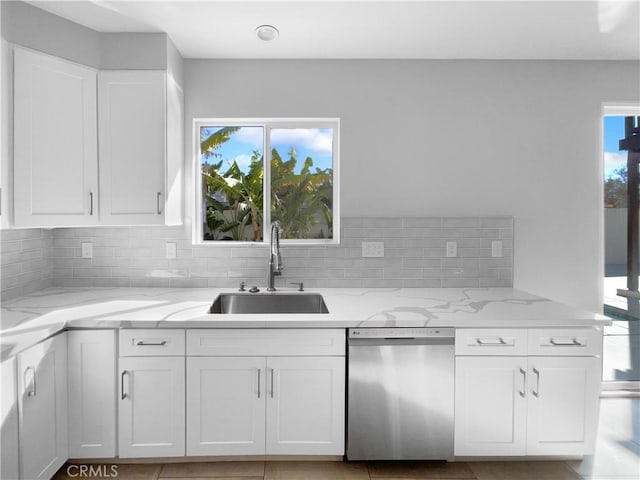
(132, 136)
(55, 142)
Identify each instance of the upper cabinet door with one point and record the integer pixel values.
(55, 145)
(132, 139)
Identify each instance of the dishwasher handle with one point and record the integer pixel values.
(394, 341)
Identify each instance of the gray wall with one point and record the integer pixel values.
(133, 51)
(453, 138)
(31, 27)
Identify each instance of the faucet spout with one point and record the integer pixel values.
(275, 259)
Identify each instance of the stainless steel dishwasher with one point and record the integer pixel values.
(400, 394)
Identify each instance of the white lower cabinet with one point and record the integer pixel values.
(9, 439)
(490, 406)
(305, 406)
(563, 404)
(42, 388)
(92, 393)
(528, 405)
(256, 404)
(151, 412)
(225, 405)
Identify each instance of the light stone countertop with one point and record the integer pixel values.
(27, 320)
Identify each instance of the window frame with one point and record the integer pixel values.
(267, 124)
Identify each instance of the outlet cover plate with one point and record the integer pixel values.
(172, 250)
(496, 248)
(87, 250)
(373, 249)
(452, 249)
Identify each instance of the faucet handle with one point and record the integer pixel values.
(242, 285)
(300, 286)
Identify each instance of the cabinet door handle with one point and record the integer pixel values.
(571, 343)
(259, 373)
(32, 392)
(536, 391)
(523, 390)
(142, 343)
(90, 203)
(159, 194)
(483, 342)
(271, 382)
(123, 394)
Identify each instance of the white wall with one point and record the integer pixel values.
(453, 138)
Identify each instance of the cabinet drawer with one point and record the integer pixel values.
(490, 341)
(281, 342)
(565, 341)
(151, 342)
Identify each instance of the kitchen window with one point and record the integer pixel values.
(292, 163)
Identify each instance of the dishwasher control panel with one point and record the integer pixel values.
(401, 332)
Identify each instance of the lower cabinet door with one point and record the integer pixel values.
(305, 405)
(42, 385)
(151, 413)
(225, 405)
(9, 439)
(92, 393)
(563, 403)
(490, 406)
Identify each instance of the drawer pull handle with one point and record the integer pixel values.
(90, 203)
(523, 390)
(484, 342)
(142, 343)
(572, 343)
(123, 393)
(158, 210)
(536, 391)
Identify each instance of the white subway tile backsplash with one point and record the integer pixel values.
(136, 256)
(422, 222)
(27, 262)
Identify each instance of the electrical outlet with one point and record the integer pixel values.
(172, 251)
(496, 248)
(87, 250)
(373, 249)
(452, 249)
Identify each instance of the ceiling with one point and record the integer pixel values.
(476, 29)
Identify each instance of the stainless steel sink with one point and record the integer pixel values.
(269, 303)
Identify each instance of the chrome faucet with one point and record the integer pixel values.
(275, 260)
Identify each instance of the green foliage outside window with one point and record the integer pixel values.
(233, 204)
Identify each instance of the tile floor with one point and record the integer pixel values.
(617, 457)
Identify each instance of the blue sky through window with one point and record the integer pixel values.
(613, 132)
(316, 143)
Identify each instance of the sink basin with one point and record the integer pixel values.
(269, 303)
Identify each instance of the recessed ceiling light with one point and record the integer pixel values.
(267, 32)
